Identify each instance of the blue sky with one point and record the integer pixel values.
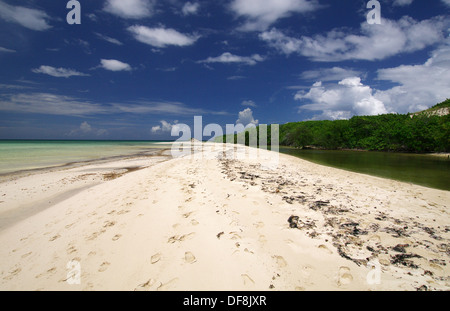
(134, 69)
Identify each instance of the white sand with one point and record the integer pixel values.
(218, 224)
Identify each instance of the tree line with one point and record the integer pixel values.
(420, 133)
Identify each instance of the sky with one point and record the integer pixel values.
(137, 69)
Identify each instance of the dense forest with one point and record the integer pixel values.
(420, 132)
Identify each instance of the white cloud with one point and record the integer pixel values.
(234, 78)
(373, 42)
(29, 18)
(417, 87)
(408, 2)
(246, 118)
(402, 2)
(249, 103)
(58, 72)
(130, 9)
(108, 39)
(5, 50)
(420, 86)
(190, 8)
(260, 14)
(53, 104)
(115, 65)
(230, 58)
(86, 129)
(329, 74)
(343, 100)
(161, 37)
(165, 127)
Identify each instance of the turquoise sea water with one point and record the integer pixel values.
(18, 155)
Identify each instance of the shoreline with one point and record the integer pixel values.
(223, 223)
(69, 165)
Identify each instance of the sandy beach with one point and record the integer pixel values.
(218, 223)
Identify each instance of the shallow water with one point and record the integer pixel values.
(18, 155)
(425, 170)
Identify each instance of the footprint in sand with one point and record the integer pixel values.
(235, 236)
(116, 237)
(325, 248)
(109, 224)
(178, 238)
(13, 273)
(344, 276)
(189, 257)
(281, 262)
(104, 266)
(26, 255)
(187, 215)
(54, 238)
(147, 286)
(247, 280)
(155, 258)
(167, 286)
(194, 222)
(306, 271)
(71, 250)
(259, 225)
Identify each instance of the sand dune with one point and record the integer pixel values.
(217, 223)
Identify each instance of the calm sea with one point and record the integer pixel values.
(18, 155)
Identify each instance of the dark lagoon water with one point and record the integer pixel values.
(425, 170)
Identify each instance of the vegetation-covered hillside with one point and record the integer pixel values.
(422, 132)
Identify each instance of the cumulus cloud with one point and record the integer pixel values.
(58, 72)
(260, 14)
(165, 127)
(29, 18)
(85, 129)
(114, 65)
(161, 37)
(373, 42)
(190, 8)
(343, 100)
(246, 118)
(130, 9)
(229, 58)
(418, 86)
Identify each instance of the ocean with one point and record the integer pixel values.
(19, 155)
